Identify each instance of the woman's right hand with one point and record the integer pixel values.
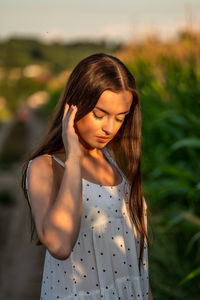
(69, 136)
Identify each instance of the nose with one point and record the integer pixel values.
(108, 126)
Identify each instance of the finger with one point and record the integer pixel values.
(69, 114)
(66, 110)
(72, 115)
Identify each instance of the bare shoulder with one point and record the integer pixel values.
(41, 164)
(39, 175)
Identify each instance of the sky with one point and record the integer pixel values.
(116, 20)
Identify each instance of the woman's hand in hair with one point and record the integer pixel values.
(69, 136)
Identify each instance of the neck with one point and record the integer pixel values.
(94, 153)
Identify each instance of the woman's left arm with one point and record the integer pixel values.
(150, 297)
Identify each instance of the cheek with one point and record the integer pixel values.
(87, 126)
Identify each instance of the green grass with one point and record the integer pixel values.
(171, 172)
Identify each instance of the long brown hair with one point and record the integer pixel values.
(90, 77)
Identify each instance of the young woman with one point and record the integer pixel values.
(83, 186)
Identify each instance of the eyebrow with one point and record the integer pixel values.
(122, 113)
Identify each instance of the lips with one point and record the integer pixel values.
(103, 137)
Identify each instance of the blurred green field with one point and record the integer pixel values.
(168, 79)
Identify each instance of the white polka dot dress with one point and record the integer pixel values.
(104, 261)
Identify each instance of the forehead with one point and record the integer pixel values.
(115, 102)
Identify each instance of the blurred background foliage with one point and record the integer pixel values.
(32, 78)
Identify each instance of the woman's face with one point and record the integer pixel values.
(105, 119)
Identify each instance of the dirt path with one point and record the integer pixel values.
(21, 261)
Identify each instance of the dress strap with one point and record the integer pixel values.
(26, 182)
(110, 157)
(58, 160)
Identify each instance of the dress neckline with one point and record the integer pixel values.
(107, 186)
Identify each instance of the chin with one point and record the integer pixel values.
(92, 144)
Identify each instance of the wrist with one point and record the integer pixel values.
(74, 159)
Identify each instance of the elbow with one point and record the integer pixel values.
(59, 252)
(56, 249)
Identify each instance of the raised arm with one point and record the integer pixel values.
(57, 210)
(57, 216)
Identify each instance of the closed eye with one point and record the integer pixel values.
(99, 118)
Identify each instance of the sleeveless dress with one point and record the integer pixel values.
(104, 261)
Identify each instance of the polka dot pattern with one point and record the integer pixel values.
(104, 261)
